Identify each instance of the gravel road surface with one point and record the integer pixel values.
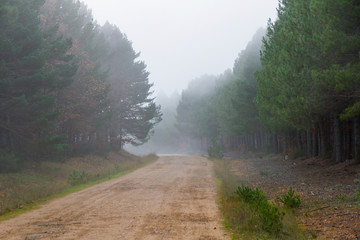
(174, 198)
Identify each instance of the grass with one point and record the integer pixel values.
(252, 219)
(39, 183)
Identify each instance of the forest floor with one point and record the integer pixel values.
(330, 193)
(173, 198)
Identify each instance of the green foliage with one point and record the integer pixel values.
(54, 148)
(216, 150)
(196, 112)
(357, 195)
(244, 220)
(116, 169)
(9, 162)
(133, 110)
(78, 177)
(249, 195)
(214, 107)
(262, 213)
(310, 61)
(31, 75)
(223, 106)
(270, 218)
(340, 197)
(284, 83)
(166, 138)
(290, 200)
(236, 111)
(54, 93)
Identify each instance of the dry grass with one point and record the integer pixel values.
(42, 180)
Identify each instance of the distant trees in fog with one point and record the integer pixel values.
(296, 92)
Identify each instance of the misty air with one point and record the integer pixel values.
(171, 119)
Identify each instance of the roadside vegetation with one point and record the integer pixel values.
(38, 182)
(249, 213)
(290, 201)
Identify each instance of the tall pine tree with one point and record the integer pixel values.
(34, 64)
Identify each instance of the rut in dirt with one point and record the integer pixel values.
(174, 198)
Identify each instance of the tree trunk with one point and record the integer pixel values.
(314, 147)
(346, 142)
(322, 143)
(263, 141)
(10, 134)
(276, 145)
(308, 143)
(256, 141)
(318, 144)
(356, 138)
(337, 138)
(298, 140)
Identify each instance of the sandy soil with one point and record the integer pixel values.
(173, 198)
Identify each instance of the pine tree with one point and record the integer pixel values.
(34, 65)
(237, 112)
(84, 103)
(196, 112)
(133, 111)
(285, 84)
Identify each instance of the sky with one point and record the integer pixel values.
(181, 40)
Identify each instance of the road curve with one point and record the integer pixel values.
(173, 198)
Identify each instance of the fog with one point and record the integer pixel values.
(182, 43)
(182, 40)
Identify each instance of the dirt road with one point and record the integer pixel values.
(173, 198)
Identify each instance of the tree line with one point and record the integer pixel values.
(293, 90)
(67, 84)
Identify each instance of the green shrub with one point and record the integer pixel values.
(262, 213)
(77, 178)
(9, 162)
(357, 195)
(271, 218)
(290, 200)
(249, 195)
(216, 150)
